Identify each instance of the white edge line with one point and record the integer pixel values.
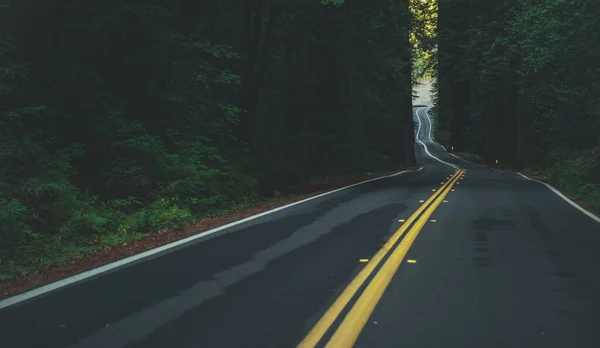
(430, 129)
(430, 125)
(425, 146)
(565, 198)
(103, 269)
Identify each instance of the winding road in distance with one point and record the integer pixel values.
(452, 255)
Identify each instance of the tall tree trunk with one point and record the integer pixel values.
(261, 19)
(407, 124)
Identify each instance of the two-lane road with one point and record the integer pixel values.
(429, 258)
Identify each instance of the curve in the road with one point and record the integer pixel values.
(430, 126)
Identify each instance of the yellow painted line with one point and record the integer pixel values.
(363, 260)
(411, 261)
(347, 333)
(321, 327)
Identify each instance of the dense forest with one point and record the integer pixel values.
(519, 82)
(122, 118)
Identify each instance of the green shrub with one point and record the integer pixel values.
(578, 172)
(471, 157)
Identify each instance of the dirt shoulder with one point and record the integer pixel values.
(12, 287)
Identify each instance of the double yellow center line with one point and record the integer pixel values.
(353, 323)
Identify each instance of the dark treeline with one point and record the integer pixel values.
(519, 82)
(121, 118)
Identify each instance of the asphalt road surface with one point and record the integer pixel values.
(453, 255)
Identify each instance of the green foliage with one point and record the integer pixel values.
(148, 115)
(160, 214)
(527, 68)
(471, 157)
(139, 159)
(523, 86)
(332, 2)
(422, 36)
(577, 172)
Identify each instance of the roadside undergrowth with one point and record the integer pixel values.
(54, 258)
